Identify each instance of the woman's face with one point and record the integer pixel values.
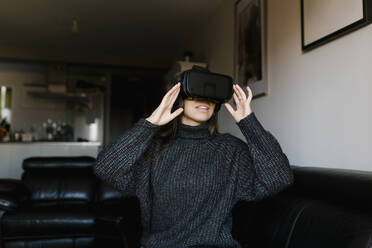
(197, 111)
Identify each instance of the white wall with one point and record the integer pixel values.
(80, 57)
(319, 102)
(27, 110)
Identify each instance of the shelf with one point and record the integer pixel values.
(59, 96)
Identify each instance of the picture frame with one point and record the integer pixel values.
(250, 53)
(6, 100)
(324, 21)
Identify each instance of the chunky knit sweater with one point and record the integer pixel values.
(196, 181)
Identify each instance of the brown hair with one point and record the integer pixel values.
(166, 134)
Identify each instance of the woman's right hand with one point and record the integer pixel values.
(162, 114)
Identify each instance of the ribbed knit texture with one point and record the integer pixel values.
(196, 181)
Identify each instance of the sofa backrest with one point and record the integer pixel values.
(59, 180)
(345, 187)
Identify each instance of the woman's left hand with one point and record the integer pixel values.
(243, 103)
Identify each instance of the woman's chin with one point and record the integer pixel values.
(201, 117)
(198, 116)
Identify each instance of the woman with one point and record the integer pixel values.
(188, 176)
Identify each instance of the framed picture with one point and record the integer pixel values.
(323, 21)
(5, 103)
(250, 46)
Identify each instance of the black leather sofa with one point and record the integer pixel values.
(324, 208)
(60, 203)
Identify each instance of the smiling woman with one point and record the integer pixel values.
(195, 111)
(188, 176)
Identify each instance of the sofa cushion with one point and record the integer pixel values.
(269, 222)
(59, 180)
(68, 242)
(48, 222)
(60, 187)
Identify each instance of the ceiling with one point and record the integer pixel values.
(113, 27)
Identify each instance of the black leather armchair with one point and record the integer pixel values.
(60, 203)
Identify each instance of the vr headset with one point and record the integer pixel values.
(201, 84)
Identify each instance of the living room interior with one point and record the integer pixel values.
(76, 75)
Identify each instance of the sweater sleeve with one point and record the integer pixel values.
(263, 168)
(116, 162)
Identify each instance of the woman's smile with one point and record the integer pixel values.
(202, 108)
(196, 112)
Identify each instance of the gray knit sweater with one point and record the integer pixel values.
(196, 181)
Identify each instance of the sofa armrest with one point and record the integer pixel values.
(8, 203)
(12, 193)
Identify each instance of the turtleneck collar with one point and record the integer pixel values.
(193, 132)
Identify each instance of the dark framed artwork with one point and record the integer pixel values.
(250, 46)
(323, 21)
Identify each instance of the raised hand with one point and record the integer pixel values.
(243, 103)
(162, 114)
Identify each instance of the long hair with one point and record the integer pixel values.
(166, 134)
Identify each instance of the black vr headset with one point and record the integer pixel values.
(200, 84)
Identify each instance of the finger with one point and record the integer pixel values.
(175, 87)
(229, 108)
(250, 93)
(172, 89)
(236, 99)
(174, 96)
(236, 91)
(176, 113)
(168, 96)
(242, 95)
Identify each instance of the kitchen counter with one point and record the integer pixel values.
(12, 154)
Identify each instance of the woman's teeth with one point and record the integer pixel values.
(202, 108)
